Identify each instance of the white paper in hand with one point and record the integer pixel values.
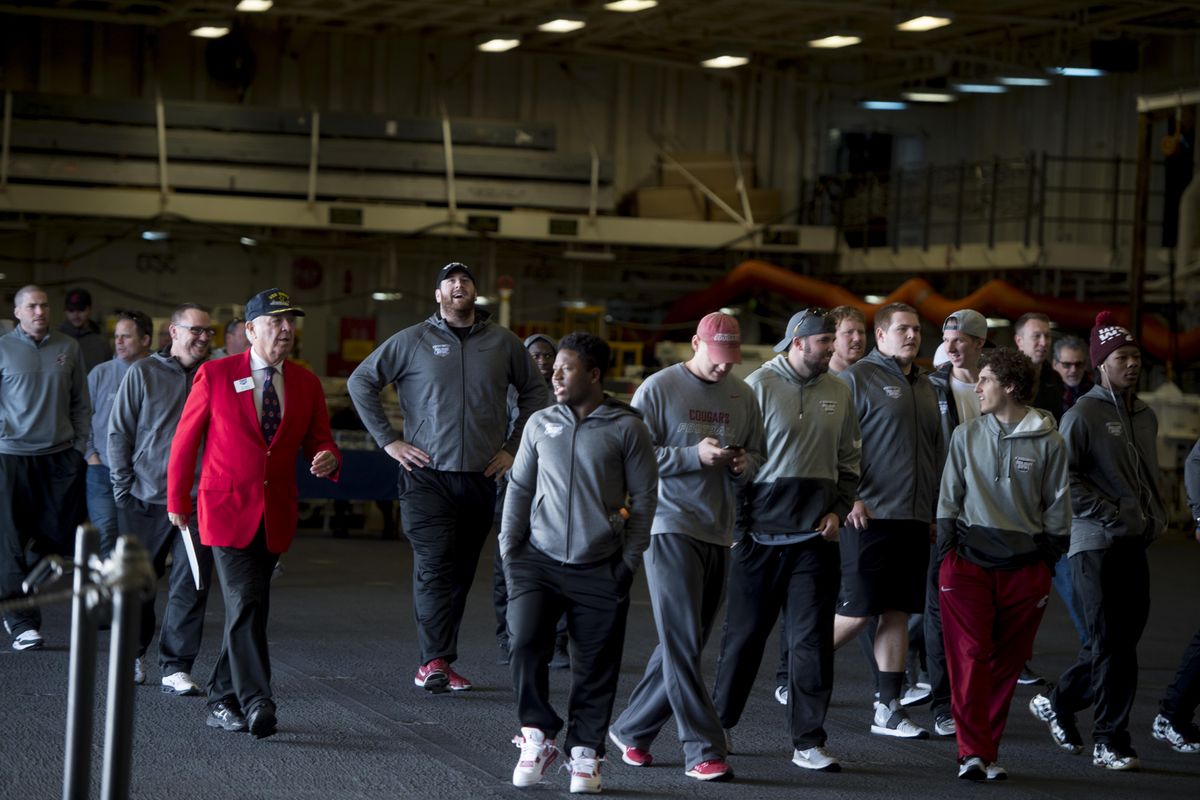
(189, 544)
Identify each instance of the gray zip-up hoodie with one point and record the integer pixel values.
(902, 438)
(44, 406)
(103, 381)
(1005, 499)
(145, 413)
(680, 409)
(813, 448)
(571, 480)
(453, 392)
(1191, 480)
(1114, 471)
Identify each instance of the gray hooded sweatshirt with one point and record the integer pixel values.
(1191, 479)
(145, 412)
(44, 405)
(901, 435)
(571, 480)
(1114, 472)
(453, 392)
(1005, 499)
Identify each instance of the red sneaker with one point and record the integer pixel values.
(715, 770)
(434, 676)
(457, 682)
(633, 756)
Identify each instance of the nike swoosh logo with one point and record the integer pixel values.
(947, 588)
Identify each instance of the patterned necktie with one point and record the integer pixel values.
(271, 412)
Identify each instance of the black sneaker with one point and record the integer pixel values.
(226, 718)
(1030, 678)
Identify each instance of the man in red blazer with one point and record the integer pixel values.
(250, 413)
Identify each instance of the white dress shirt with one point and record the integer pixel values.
(258, 370)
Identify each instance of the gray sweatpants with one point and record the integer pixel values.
(687, 584)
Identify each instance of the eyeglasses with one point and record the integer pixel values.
(197, 331)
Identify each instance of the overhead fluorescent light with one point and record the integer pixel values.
(835, 41)
(498, 44)
(248, 241)
(725, 62)
(387, 296)
(155, 236)
(925, 22)
(631, 6)
(563, 24)
(1019, 80)
(929, 97)
(209, 31)
(590, 255)
(730, 310)
(884, 105)
(874, 299)
(998, 322)
(1077, 72)
(980, 88)
(255, 6)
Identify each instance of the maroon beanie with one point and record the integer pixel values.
(1107, 336)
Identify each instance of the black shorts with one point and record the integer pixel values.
(884, 567)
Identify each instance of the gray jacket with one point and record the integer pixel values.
(1005, 499)
(145, 412)
(1114, 472)
(1191, 480)
(452, 392)
(571, 480)
(902, 451)
(95, 348)
(103, 381)
(44, 406)
(813, 448)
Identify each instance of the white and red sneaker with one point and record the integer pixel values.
(457, 682)
(633, 756)
(713, 770)
(433, 676)
(585, 771)
(536, 757)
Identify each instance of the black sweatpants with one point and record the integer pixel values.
(183, 617)
(935, 644)
(241, 677)
(446, 516)
(42, 500)
(595, 598)
(500, 600)
(1113, 587)
(762, 580)
(1183, 695)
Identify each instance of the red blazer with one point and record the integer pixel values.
(241, 478)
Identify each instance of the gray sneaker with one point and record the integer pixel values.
(892, 720)
(944, 725)
(995, 772)
(139, 673)
(816, 758)
(781, 695)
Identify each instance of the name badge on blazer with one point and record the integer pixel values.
(243, 385)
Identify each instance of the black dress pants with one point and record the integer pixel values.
(241, 677)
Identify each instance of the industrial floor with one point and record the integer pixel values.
(352, 725)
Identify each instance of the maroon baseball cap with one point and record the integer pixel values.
(723, 336)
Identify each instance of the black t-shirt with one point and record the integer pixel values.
(461, 333)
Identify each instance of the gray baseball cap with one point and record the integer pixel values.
(809, 322)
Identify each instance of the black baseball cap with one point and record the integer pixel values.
(272, 302)
(809, 322)
(450, 269)
(78, 300)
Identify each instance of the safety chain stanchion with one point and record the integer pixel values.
(82, 682)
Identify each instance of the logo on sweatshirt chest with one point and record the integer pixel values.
(943, 407)
(61, 359)
(829, 406)
(553, 429)
(1115, 428)
(441, 350)
(1023, 464)
(893, 392)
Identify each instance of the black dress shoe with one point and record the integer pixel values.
(224, 717)
(262, 721)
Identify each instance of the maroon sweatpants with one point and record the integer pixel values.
(989, 620)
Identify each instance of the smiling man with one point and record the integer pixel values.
(885, 544)
(452, 373)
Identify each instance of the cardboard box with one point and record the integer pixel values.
(717, 171)
(670, 202)
(765, 205)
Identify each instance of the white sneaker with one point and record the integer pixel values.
(180, 683)
(536, 757)
(973, 769)
(892, 720)
(1105, 756)
(944, 725)
(139, 673)
(816, 758)
(1182, 738)
(781, 693)
(916, 695)
(585, 771)
(995, 772)
(28, 640)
